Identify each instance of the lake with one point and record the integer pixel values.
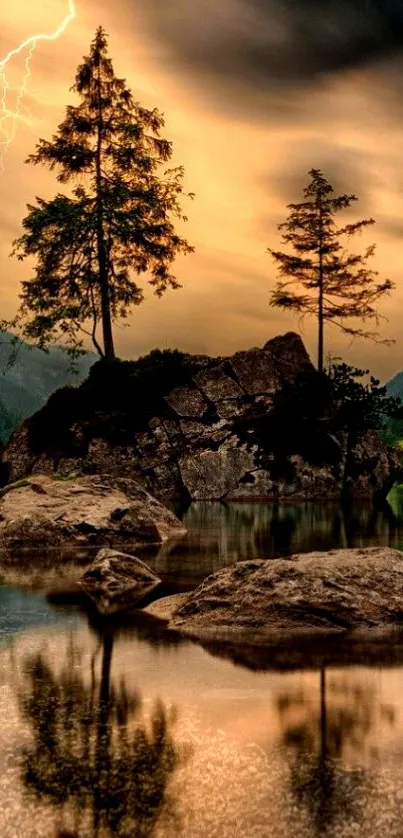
(124, 729)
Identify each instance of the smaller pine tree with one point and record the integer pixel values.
(332, 284)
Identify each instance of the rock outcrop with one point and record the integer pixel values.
(115, 581)
(327, 593)
(198, 438)
(83, 511)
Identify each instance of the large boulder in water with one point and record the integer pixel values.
(115, 581)
(331, 593)
(91, 510)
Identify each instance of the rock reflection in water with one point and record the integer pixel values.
(326, 743)
(93, 757)
(220, 534)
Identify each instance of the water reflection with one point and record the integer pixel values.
(220, 534)
(325, 743)
(291, 742)
(90, 745)
(92, 756)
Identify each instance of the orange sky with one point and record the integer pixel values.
(247, 134)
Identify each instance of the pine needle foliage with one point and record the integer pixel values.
(320, 277)
(91, 245)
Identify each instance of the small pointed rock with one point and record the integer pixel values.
(115, 581)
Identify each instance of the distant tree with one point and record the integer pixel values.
(116, 224)
(332, 285)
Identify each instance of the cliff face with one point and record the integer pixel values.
(202, 437)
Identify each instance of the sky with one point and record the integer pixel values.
(255, 93)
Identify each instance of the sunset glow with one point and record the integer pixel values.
(246, 121)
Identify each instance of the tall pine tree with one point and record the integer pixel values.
(332, 284)
(117, 222)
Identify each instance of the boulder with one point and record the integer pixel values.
(187, 402)
(265, 370)
(289, 354)
(309, 482)
(212, 475)
(372, 467)
(217, 385)
(205, 435)
(88, 510)
(230, 408)
(254, 485)
(165, 607)
(34, 530)
(193, 430)
(18, 456)
(327, 593)
(116, 581)
(256, 371)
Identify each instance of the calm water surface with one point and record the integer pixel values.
(125, 730)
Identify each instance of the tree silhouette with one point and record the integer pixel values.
(116, 224)
(333, 285)
(92, 756)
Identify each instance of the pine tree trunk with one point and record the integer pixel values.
(109, 349)
(325, 778)
(320, 301)
(321, 336)
(103, 735)
(323, 721)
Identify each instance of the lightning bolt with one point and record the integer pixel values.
(11, 115)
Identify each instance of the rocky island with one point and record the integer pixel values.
(201, 428)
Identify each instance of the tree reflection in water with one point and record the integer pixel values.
(93, 756)
(219, 534)
(321, 781)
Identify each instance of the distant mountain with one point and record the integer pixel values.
(393, 434)
(27, 384)
(395, 386)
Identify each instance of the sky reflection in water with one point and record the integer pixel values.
(127, 731)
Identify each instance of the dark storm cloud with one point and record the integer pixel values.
(272, 44)
(345, 168)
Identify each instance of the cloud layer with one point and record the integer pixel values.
(255, 94)
(273, 45)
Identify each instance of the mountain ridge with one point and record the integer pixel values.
(27, 382)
